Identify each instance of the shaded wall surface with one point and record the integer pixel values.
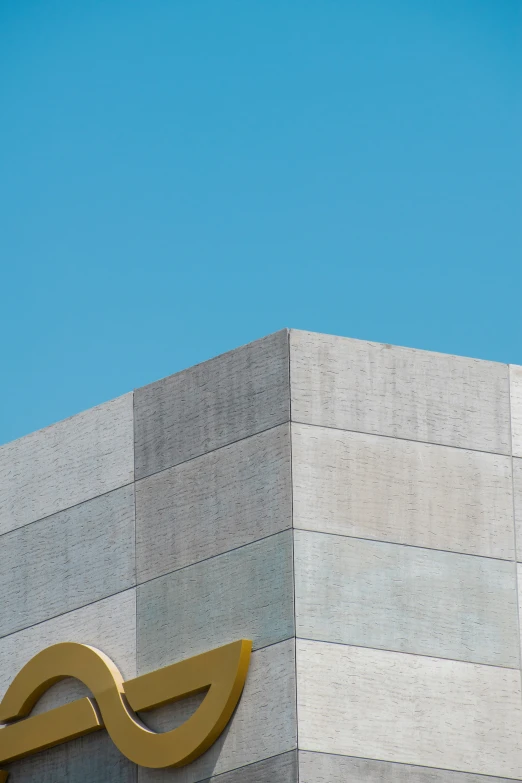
(353, 508)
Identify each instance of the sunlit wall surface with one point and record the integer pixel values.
(354, 508)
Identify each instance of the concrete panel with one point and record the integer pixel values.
(68, 560)
(263, 725)
(246, 593)
(325, 768)
(90, 759)
(396, 597)
(212, 404)
(515, 377)
(109, 625)
(519, 578)
(279, 769)
(214, 503)
(412, 709)
(405, 393)
(395, 490)
(67, 463)
(517, 489)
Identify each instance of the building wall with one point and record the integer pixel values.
(406, 473)
(155, 527)
(348, 506)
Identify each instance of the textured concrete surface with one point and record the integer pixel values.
(405, 393)
(402, 491)
(109, 625)
(413, 709)
(244, 594)
(212, 404)
(90, 759)
(68, 560)
(325, 768)
(279, 769)
(387, 505)
(517, 491)
(519, 581)
(67, 463)
(403, 598)
(263, 725)
(515, 377)
(214, 503)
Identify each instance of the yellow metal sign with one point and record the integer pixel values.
(222, 671)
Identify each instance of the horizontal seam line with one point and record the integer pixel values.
(132, 588)
(405, 652)
(69, 611)
(147, 581)
(405, 764)
(407, 440)
(402, 543)
(254, 650)
(243, 766)
(212, 451)
(213, 557)
(68, 508)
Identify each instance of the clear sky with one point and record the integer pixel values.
(181, 177)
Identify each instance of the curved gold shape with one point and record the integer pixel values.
(222, 670)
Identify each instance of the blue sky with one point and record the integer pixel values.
(179, 178)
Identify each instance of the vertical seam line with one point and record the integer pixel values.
(514, 529)
(136, 768)
(293, 553)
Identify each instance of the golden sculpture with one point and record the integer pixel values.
(222, 671)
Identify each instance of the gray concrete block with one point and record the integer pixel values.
(405, 393)
(214, 503)
(325, 768)
(68, 560)
(212, 404)
(408, 599)
(394, 490)
(66, 464)
(109, 625)
(517, 490)
(263, 725)
(90, 759)
(515, 378)
(246, 593)
(412, 709)
(278, 769)
(519, 578)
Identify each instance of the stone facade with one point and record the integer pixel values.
(351, 507)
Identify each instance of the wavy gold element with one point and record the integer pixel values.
(222, 670)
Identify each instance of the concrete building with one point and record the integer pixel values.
(353, 508)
